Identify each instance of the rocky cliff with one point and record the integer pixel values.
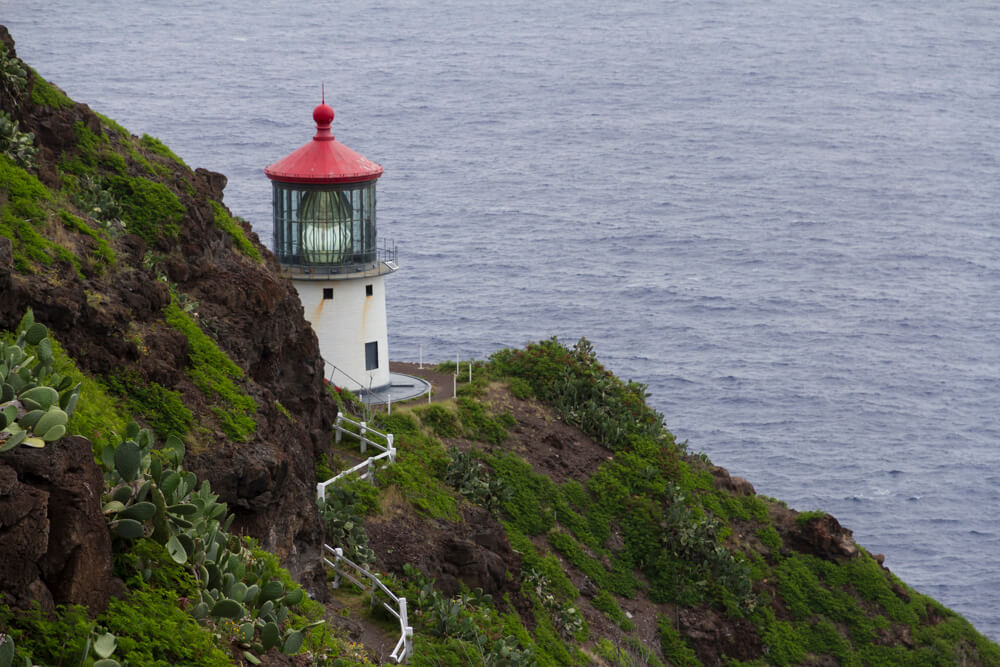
(114, 230)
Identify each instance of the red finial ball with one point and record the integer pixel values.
(323, 115)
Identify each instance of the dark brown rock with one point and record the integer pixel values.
(54, 541)
(214, 182)
(736, 485)
(822, 536)
(713, 637)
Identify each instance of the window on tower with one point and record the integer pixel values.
(369, 290)
(327, 292)
(371, 356)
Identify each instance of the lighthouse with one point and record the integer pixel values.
(326, 241)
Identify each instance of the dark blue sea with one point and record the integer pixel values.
(784, 216)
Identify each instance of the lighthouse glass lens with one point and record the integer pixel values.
(325, 225)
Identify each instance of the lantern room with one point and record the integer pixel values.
(324, 204)
(326, 241)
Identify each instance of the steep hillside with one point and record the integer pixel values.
(153, 288)
(544, 516)
(552, 487)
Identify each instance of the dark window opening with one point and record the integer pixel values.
(327, 292)
(371, 356)
(369, 290)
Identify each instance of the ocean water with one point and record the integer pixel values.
(782, 217)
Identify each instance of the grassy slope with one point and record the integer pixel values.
(646, 529)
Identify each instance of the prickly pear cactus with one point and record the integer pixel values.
(36, 401)
(149, 494)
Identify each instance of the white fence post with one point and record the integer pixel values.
(336, 425)
(364, 438)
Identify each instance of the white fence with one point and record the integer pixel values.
(365, 468)
(347, 569)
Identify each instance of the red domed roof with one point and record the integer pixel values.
(324, 159)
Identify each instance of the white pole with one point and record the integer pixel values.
(454, 385)
(421, 356)
(389, 403)
(470, 370)
(428, 395)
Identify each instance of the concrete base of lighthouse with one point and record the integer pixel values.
(347, 312)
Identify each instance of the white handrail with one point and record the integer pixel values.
(404, 647)
(388, 452)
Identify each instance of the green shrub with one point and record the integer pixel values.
(674, 648)
(605, 602)
(806, 517)
(149, 209)
(343, 509)
(441, 421)
(215, 374)
(102, 253)
(45, 94)
(155, 145)
(478, 424)
(16, 145)
(226, 223)
(97, 417)
(160, 407)
(476, 484)
(152, 630)
(24, 218)
(420, 466)
(581, 390)
(532, 497)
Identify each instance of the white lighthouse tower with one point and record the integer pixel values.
(325, 239)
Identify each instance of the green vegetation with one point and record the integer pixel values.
(45, 94)
(24, 218)
(479, 424)
(163, 409)
(149, 209)
(583, 393)
(605, 602)
(440, 420)
(101, 255)
(346, 504)
(13, 75)
(421, 462)
(36, 400)
(226, 223)
(467, 475)
(216, 375)
(156, 146)
(17, 145)
(674, 648)
(806, 517)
